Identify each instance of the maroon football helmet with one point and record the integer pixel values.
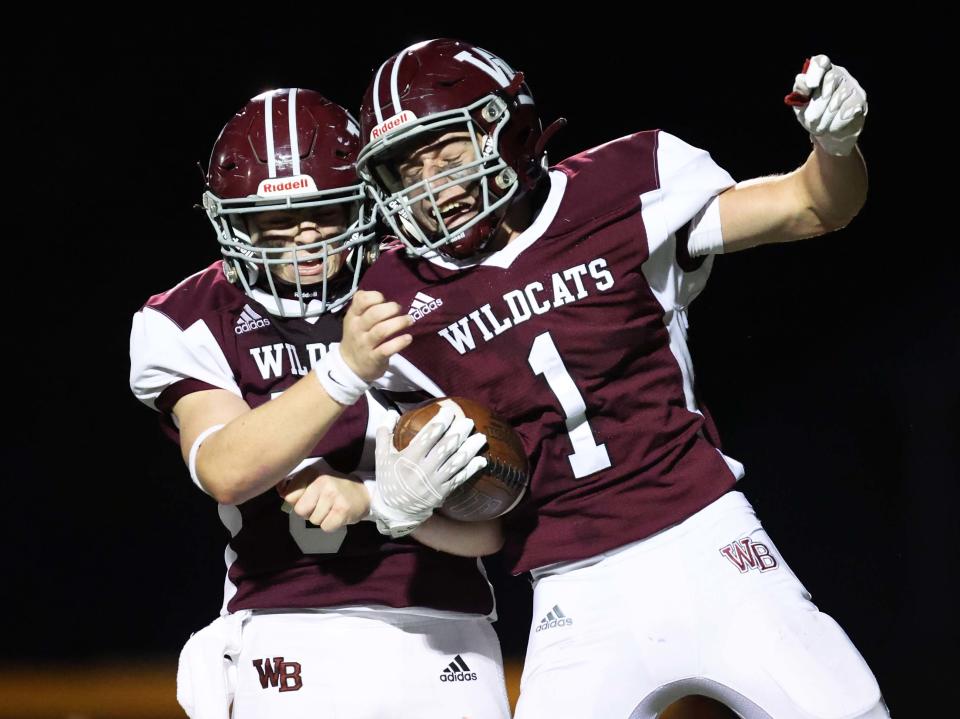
(443, 86)
(288, 149)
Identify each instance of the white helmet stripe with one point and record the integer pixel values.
(294, 141)
(394, 90)
(268, 128)
(376, 95)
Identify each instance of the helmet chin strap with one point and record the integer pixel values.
(538, 162)
(288, 290)
(337, 285)
(552, 129)
(483, 232)
(465, 248)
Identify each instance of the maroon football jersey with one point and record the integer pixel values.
(575, 332)
(206, 333)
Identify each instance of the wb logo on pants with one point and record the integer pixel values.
(746, 554)
(279, 674)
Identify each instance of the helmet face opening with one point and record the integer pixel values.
(455, 206)
(290, 153)
(433, 90)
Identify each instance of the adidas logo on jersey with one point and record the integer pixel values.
(458, 671)
(555, 618)
(248, 321)
(423, 305)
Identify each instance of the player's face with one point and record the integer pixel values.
(457, 204)
(294, 229)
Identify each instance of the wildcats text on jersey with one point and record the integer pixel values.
(520, 304)
(270, 358)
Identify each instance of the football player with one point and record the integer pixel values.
(245, 363)
(558, 297)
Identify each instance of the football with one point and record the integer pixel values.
(498, 487)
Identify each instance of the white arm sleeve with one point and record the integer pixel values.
(689, 181)
(706, 236)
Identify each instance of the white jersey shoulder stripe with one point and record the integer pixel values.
(162, 354)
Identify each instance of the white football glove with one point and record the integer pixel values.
(413, 482)
(837, 106)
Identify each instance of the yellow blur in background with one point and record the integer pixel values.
(148, 691)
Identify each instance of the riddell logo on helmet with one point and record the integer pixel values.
(392, 123)
(297, 185)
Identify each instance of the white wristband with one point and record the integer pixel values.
(192, 458)
(340, 382)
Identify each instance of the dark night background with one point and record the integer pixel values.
(829, 365)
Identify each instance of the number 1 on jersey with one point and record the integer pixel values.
(588, 456)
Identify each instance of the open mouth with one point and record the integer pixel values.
(309, 267)
(457, 213)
